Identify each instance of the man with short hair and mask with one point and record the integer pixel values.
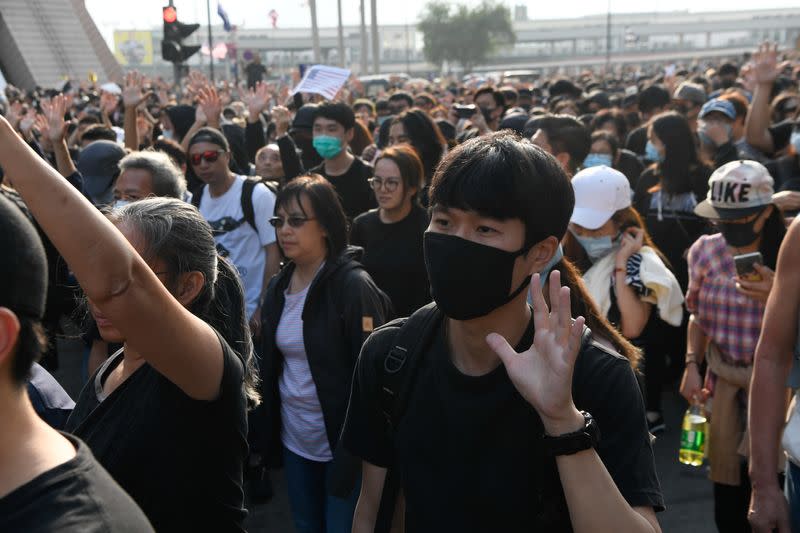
(483, 436)
(349, 175)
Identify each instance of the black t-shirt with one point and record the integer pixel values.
(393, 257)
(255, 73)
(782, 133)
(76, 496)
(469, 450)
(637, 140)
(353, 188)
(179, 458)
(630, 165)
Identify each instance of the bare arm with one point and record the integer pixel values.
(369, 500)
(133, 95)
(634, 313)
(56, 130)
(114, 276)
(773, 359)
(696, 342)
(758, 117)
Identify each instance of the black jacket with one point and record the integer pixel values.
(342, 307)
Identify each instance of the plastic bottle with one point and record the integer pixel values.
(694, 432)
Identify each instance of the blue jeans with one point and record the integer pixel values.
(313, 509)
(793, 494)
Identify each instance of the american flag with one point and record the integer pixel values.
(324, 80)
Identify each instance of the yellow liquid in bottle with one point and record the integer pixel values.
(693, 439)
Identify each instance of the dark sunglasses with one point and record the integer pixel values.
(294, 221)
(211, 156)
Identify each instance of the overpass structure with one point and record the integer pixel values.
(42, 42)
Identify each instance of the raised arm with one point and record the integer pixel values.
(55, 129)
(764, 70)
(114, 276)
(133, 95)
(768, 510)
(256, 100)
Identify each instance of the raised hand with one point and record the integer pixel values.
(14, 114)
(256, 100)
(543, 373)
(54, 111)
(282, 118)
(208, 101)
(108, 102)
(765, 64)
(43, 127)
(133, 93)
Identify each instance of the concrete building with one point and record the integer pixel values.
(44, 41)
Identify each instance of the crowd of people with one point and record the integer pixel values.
(450, 306)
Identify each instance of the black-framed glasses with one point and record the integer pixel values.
(209, 155)
(390, 184)
(294, 221)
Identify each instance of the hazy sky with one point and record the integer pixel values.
(145, 14)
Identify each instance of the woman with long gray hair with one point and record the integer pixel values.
(167, 414)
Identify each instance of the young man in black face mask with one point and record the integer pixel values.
(481, 436)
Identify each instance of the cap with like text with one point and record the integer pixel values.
(735, 190)
(600, 192)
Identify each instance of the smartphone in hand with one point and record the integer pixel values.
(745, 268)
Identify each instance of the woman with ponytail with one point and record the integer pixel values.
(167, 414)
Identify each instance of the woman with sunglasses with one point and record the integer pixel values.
(167, 414)
(391, 235)
(317, 313)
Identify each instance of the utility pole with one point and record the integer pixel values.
(210, 42)
(312, 5)
(376, 59)
(340, 34)
(364, 48)
(608, 38)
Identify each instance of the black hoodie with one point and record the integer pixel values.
(342, 307)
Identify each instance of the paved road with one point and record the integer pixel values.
(686, 489)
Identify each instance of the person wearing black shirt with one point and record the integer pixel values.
(333, 131)
(491, 439)
(50, 481)
(167, 416)
(392, 234)
(255, 72)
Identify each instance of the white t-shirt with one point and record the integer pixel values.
(302, 422)
(236, 238)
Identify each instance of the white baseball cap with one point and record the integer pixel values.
(599, 193)
(736, 190)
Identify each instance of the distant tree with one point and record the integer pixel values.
(463, 35)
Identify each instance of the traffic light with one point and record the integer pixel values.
(172, 49)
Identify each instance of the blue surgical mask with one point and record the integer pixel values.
(119, 204)
(597, 160)
(558, 256)
(168, 134)
(381, 120)
(327, 146)
(652, 154)
(596, 247)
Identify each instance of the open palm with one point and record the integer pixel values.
(543, 373)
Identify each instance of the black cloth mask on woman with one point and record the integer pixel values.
(469, 280)
(738, 235)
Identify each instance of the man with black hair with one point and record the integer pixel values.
(400, 101)
(50, 481)
(478, 436)
(653, 100)
(564, 137)
(349, 175)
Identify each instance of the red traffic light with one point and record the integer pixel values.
(170, 14)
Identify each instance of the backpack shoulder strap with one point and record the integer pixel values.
(248, 187)
(197, 196)
(400, 364)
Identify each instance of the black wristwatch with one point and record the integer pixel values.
(570, 443)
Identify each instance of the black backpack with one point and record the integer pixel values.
(246, 200)
(397, 375)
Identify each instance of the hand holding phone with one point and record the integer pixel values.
(745, 266)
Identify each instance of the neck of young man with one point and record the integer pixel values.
(340, 164)
(395, 214)
(220, 186)
(467, 339)
(28, 446)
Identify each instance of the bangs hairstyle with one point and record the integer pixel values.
(324, 201)
(408, 162)
(504, 176)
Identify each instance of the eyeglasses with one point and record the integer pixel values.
(390, 184)
(211, 156)
(294, 221)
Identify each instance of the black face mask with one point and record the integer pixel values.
(469, 280)
(738, 235)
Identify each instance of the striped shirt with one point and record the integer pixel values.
(302, 423)
(728, 318)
